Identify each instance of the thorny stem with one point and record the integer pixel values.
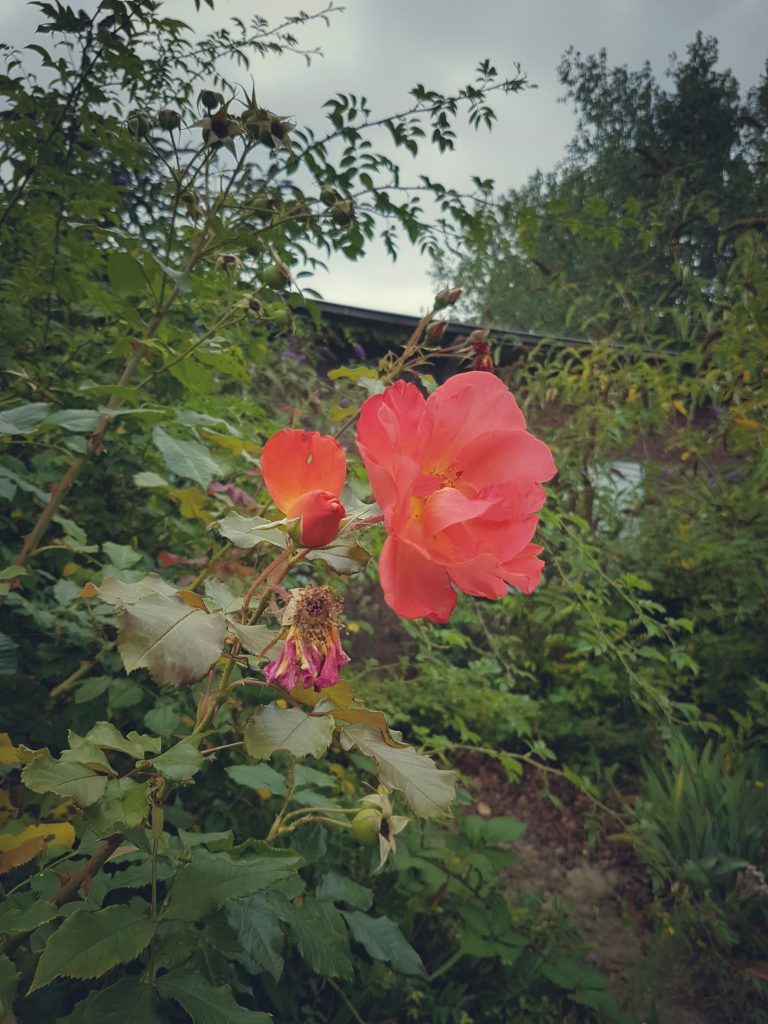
(91, 867)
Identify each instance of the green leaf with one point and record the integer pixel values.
(204, 1003)
(311, 777)
(128, 1000)
(220, 597)
(79, 421)
(273, 728)
(492, 831)
(14, 919)
(335, 887)
(115, 592)
(322, 938)
(257, 776)
(124, 805)
(343, 556)
(248, 531)
(212, 878)
(383, 940)
(122, 556)
(188, 459)
(45, 774)
(9, 978)
(174, 641)
(149, 479)
(428, 789)
(181, 762)
(126, 274)
(23, 419)
(88, 945)
(9, 661)
(181, 279)
(258, 930)
(253, 638)
(135, 744)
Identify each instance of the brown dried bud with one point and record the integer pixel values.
(168, 120)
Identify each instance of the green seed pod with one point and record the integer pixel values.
(366, 825)
(278, 276)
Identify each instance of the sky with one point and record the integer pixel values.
(381, 48)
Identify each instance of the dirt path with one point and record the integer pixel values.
(604, 887)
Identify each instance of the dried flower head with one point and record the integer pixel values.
(311, 653)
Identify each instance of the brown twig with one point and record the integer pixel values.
(92, 866)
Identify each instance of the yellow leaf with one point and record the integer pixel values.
(632, 393)
(679, 407)
(341, 695)
(375, 719)
(192, 599)
(352, 372)
(237, 445)
(338, 412)
(18, 849)
(191, 501)
(745, 421)
(69, 569)
(21, 854)
(9, 754)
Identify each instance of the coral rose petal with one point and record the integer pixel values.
(295, 462)
(465, 407)
(482, 576)
(414, 587)
(524, 571)
(388, 425)
(449, 506)
(506, 455)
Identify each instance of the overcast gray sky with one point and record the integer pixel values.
(381, 48)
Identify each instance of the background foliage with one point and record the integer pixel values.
(159, 333)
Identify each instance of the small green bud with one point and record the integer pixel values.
(436, 330)
(447, 297)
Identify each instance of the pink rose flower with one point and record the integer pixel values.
(458, 478)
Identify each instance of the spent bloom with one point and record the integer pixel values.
(458, 478)
(311, 653)
(304, 473)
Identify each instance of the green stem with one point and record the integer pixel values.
(290, 785)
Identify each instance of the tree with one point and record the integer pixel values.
(648, 202)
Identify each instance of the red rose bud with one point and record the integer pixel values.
(447, 297)
(483, 362)
(478, 341)
(321, 513)
(436, 330)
